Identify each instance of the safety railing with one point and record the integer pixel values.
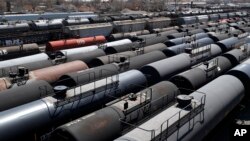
(80, 92)
(173, 123)
(91, 86)
(146, 110)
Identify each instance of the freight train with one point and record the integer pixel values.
(195, 114)
(41, 31)
(61, 102)
(118, 47)
(125, 112)
(141, 24)
(30, 17)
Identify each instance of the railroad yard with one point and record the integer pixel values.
(161, 76)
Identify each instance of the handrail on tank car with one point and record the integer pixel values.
(170, 129)
(77, 97)
(162, 100)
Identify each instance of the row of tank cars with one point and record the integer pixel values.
(205, 22)
(88, 24)
(150, 88)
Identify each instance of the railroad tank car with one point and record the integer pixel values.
(53, 73)
(150, 48)
(231, 93)
(210, 29)
(164, 29)
(104, 19)
(231, 15)
(71, 43)
(242, 23)
(24, 94)
(218, 36)
(73, 51)
(147, 36)
(202, 12)
(177, 35)
(223, 15)
(49, 74)
(88, 53)
(223, 26)
(81, 16)
(202, 18)
(11, 52)
(199, 36)
(136, 16)
(120, 18)
(125, 55)
(194, 78)
(223, 21)
(122, 48)
(82, 55)
(241, 14)
(242, 72)
(162, 22)
(247, 40)
(14, 28)
(164, 13)
(205, 25)
(117, 43)
(129, 25)
(89, 75)
(214, 17)
(31, 62)
(174, 50)
(236, 55)
(75, 21)
(51, 110)
(55, 24)
(86, 76)
(78, 130)
(203, 42)
(107, 59)
(118, 36)
(195, 31)
(49, 15)
(228, 44)
(235, 25)
(187, 20)
(165, 33)
(154, 40)
(138, 61)
(245, 29)
(89, 30)
(177, 41)
(39, 25)
(235, 32)
(18, 17)
(155, 71)
(212, 24)
(185, 27)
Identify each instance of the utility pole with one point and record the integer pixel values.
(175, 3)
(8, 6)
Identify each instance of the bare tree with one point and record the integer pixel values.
(2, 5)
